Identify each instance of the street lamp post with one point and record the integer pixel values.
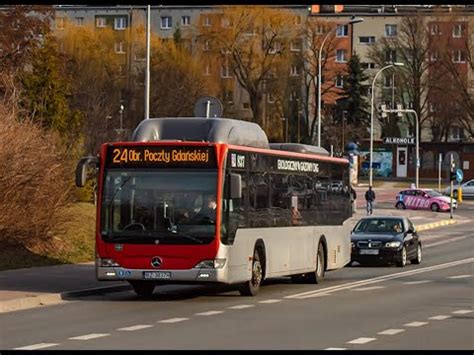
(351, 22)
(417, 169)
(372, 117)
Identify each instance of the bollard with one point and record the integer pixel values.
(459, 194)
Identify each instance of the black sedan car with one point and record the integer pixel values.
(379, 239)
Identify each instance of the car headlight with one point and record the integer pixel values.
(211, 264)
(392, 244)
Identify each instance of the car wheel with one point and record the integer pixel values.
(402, 258)
(455, 194)
(400, 205)
(251, 287)
(143, 289)
(434, 207)
(417, 260)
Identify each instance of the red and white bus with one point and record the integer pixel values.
(276, 211)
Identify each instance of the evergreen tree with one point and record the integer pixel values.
(356, 103)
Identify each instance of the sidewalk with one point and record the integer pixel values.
(45, 285)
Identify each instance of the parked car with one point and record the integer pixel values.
(466, 187)
(385, 239)
(424, 199)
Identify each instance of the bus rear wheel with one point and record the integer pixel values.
(318, 275)
(251, 287)
(143, 289)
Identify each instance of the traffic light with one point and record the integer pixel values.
(452, 172)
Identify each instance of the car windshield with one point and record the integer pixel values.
(433, 193)
(379, 225)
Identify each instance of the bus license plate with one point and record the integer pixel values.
(156, 275)
(369, 252)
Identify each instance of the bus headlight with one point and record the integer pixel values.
(392, 244)
(211, 264)
(106, 262)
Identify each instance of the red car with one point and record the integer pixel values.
(423, 199)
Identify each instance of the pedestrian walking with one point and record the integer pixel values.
(370, 198)
(353, 200)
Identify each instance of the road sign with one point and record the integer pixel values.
(459, 175)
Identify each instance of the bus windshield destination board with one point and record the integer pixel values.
(160, 157)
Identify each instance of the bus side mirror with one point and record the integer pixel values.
(235, 186)
(81, 169)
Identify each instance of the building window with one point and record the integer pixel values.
(295, 46)
(391, 55)
(320, 29)
(166, 23)
(387, 81)
(458, 30)
(207, 70)
(79, 21)
(60, 23)
(295, 70)
(225, 72)
(367, 65)
(120, 23)
(342, 31)
(341, 56)
(245, 105)
(225, 22)
(206, 45)
(433, 107)
(100, 22)
(185, 20)
(435, 29)
(457, 133)
(390, 30)
(119, 47)
(434, 55)
(275, 47)
(459, 56)
(206, 21)
(367, 39)
(297, 20)
(339, 81)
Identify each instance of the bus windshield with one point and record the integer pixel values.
(157, 206)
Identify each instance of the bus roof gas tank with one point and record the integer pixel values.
(201, 129)
(300, 148)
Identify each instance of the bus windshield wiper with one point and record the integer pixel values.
(180, 234)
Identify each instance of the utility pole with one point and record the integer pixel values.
(439, 171)
(451, 166)
(147, 74)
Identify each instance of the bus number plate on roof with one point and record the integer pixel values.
(159, 156)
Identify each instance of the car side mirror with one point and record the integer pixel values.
(81, 169)
(410, 231)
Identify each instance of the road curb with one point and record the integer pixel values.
(56, 298)
(427, 226)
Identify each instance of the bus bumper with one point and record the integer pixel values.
(190, 275)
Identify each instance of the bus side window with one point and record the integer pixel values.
(236, 211)
(259, 208)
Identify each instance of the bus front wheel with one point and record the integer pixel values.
(251, 287)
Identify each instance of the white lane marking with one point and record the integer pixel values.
(368, 288)
(326, 290)
(417, 217)
(462, 311)
(391, 331)
(136, 327)
(417, 282)
(173, 320)
(415, 324)
(269, 301)
(459, 276)
(440, 317)
(209, 313)
(429, 245)
(336, 349)
(361, 340)
(89, 336)
(36, 346)
(242, 306)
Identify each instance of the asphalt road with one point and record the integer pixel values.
(420, 307)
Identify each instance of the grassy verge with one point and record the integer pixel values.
(72, 242)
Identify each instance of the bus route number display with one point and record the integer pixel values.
(159, 156)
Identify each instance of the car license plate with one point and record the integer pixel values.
(156, 275)
(369, 252)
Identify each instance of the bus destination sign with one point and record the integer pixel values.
(160, 157)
